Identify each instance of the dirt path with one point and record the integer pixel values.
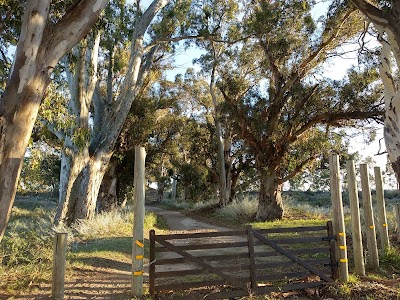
(109, 278)
(178, 222)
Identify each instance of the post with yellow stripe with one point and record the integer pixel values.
(356, 234)
(382, 219)
(373, 255)
(338, 217)
(138, 215)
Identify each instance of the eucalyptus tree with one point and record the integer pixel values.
(109, 114)
(385, 16)
(154, 122)
(277, 100)
(218, 19)
(196, 101)
(46, 35)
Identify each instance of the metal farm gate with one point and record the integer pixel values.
(215, 265)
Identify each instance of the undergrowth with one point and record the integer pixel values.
(26, 251)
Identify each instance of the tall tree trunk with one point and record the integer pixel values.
(160, 191)
(392, 100)
(220, 143)
(387, 21)
(108, 199)
(72, 165)
(161, 181)
(80, 185)
(40, 47)
(88, 187)
(270, 205)
(173, 192)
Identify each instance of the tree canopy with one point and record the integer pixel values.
(257, 108)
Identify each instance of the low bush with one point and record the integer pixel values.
(239, 211)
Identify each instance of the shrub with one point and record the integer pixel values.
(106, 224)
(239, 211)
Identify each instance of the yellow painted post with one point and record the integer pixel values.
(138, 240)
(358, 253)
(382, 219)
(369, 218)
(338, 217)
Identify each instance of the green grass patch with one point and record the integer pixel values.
(26, 249)
(289, 223)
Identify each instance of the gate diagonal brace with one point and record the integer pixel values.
(202, 263)
(294, 258)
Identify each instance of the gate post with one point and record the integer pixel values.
(338, 217)
(138, 241)
(333, 251)
(152, 266)
(358, 254)
(369, 217)
(383, 226)
(250, 240)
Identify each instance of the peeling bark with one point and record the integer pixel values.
(388, 25)
(108, 200)
(88, 187)
(108, 120)
(392, 98)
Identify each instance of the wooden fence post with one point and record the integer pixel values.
(59, 257)
(152, 267)
(333, 251)
(382, 219)
(338, 217)
(397, 211)
(369, 218)
(358, 253)
(250, 240)
(138, 219)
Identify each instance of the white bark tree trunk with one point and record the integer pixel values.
(82, 79)
(224, 198)
(88, 187)
(71, 166)
(40, 47)
(388, 26)
(109, 118)
(392, 100)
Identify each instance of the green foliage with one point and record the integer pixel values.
(40, 171)
(11, 12)
(390, 258)
(288, 122)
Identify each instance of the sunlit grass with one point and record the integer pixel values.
(113, 223)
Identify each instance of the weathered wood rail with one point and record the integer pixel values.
(215, 265)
